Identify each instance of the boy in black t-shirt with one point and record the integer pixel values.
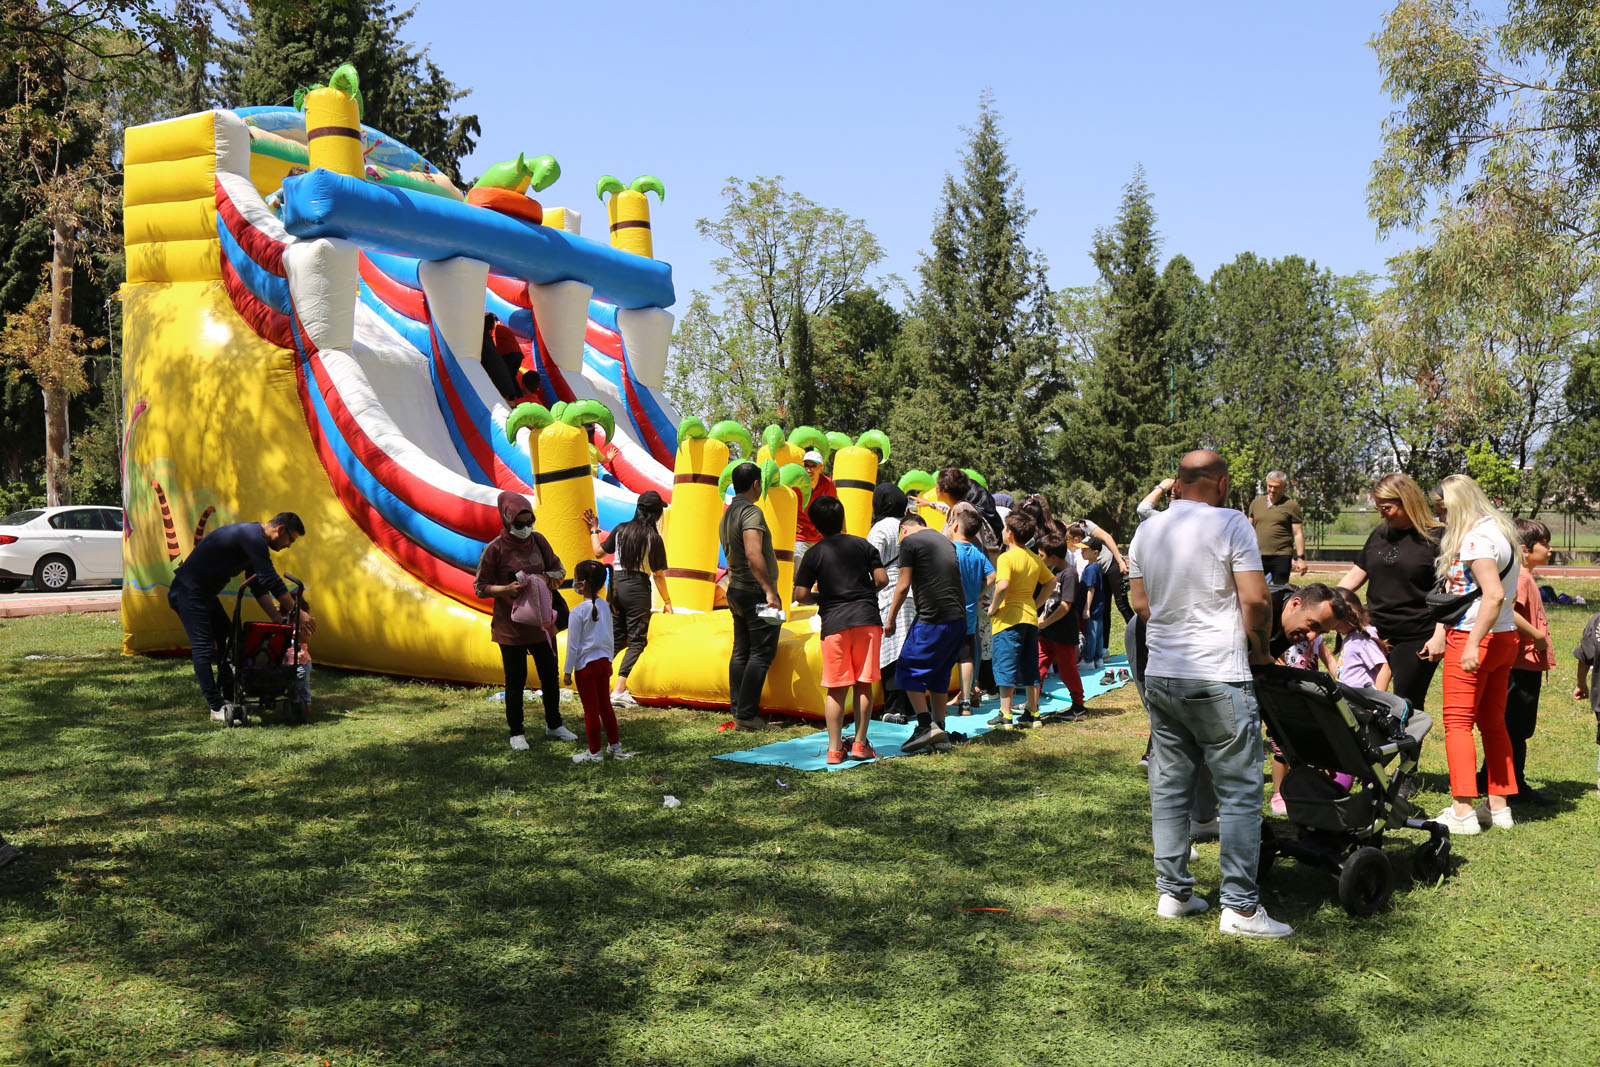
(1060, 621)
(929, 568)
(842, 575)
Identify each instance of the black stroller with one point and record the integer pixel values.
(263, 658)
(1322, 726)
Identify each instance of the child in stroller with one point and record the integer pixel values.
(270, 665)
(1324, 728)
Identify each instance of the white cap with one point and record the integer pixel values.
(813, 457)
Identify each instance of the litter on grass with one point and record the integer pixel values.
(670, 801)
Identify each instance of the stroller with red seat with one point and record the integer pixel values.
(264, 661)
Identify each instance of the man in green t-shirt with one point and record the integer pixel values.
(1280, 530)
(752, 575)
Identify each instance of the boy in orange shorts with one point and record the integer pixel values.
(842, 575)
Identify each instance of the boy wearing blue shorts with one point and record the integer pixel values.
(1022, 582)
(929, 570)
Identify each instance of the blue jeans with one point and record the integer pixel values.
(1216, 725)
(1093, 654)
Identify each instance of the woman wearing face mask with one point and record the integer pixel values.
(509, 562)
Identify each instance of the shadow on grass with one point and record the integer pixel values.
(370, 884)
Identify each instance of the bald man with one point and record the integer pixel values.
(1198, 585)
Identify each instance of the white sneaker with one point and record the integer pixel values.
(1170, 907)
(560, 733)
(624, 699)
(615, 752)
(589, 757)
(1258, 925)
(1209, 830)
(219, 714)
(1194, 853)
(1459, 825)
(520, 743)
(1487, 817)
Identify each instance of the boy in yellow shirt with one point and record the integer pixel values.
(1022, 583)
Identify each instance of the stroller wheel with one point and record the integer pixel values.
(1365, 882)
(1430, 864)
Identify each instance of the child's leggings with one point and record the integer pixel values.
(593, 681)
(1478, 699)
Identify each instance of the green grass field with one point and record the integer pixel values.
(393, 885)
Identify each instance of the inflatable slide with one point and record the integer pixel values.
(307, 315)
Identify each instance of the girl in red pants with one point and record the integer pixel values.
(589, 643)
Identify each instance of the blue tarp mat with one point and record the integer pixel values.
(810, 753)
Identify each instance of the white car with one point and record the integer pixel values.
(58, 546)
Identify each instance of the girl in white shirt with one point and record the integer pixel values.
(589, 645)
(1476, 552)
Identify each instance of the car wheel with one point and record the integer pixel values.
(52, 573)
(10, 585)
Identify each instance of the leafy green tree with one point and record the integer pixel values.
(786, 257)
(1492, 106)
(858, 340)
(276, 50)
(982, 393)
(1138, 397)
(1475, 340)
(1283, 380)
(1571, 458)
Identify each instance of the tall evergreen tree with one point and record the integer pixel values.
(980, 395)
(275, 51)
(1137, 397)
(801, 409)
(857, 340)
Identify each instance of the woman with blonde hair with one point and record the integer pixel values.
(1477, 555)
(1399, 560)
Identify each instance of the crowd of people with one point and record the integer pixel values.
(1004, 592)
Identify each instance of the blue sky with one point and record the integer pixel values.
(1256, 123)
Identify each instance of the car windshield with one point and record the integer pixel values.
(17, 518)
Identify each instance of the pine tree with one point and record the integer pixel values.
(801, 409)
(274, 52)
(1138, 395)
(979, 395)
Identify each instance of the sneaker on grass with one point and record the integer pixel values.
(559, 733)
(862, 750)
(623, 699)
(519, 742)
(1108, 677)
(1171, 907)
(835, 756)
(923, 737)
(615, 751)
(1259, 924)
(1025, 720)
(589, 757)
(999, 720)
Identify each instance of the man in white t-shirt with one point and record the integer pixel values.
(1198, 585)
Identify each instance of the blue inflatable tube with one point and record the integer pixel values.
(324, 204)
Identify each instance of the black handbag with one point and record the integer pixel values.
(1450, 608)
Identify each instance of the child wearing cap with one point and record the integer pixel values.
(805, 532)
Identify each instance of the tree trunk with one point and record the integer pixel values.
(57, 430)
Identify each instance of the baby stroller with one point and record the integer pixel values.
(263, 658)
(1322, 726)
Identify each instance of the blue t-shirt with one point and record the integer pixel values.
(975, 567)
(1094, 577)
(227, 551)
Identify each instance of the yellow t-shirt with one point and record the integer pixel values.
(1026, 572)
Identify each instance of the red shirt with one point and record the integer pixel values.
(1530, 605)
(803, 530)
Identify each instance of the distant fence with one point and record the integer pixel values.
(1574, 539)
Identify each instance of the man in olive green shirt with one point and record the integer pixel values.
(1280, 530)
(752, 578)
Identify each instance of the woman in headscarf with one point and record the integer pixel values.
(641, 556)
(888, 508)
(509, 563)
